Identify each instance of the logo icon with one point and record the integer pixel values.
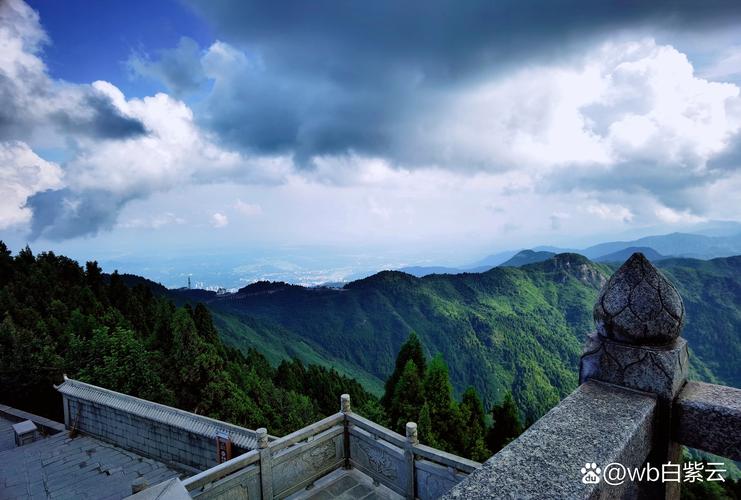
(590, 473)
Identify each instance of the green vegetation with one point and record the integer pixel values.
(425, 395)
(56, 317)
(506, 424)
(517, 330)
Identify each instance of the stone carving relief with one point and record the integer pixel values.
(306, 464)
(380, 461)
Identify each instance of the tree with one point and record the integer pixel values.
(204, 323)
(119, 362)
(408, 398)
(474, 428)
(444, 414)
(410, 350)
(424, 428)
(196, 361)
(507, 425)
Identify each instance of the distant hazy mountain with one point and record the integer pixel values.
(696, 246)
(527, 257)
(622, 255)
(490, 261)
(420, 271)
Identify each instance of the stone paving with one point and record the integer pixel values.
(7, 439)
(81, 468)
(346, 485)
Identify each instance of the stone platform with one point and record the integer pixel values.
(346, 484)
(81, 468)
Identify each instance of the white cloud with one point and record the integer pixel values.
(219, 220)
(153, 222)
(671, 216)
(624, 102)
(247, 209)
(608, 211)
(22, 174)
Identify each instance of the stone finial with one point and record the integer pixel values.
(262, 437)
(638, 305)
(411, 431)
(345, 403)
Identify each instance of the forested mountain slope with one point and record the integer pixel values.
(518, 329)
(59, 318)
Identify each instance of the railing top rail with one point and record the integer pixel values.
(445, 458)
(377, 430)
(597, 422)
(309, 430)
(708, 417)
(222, 470)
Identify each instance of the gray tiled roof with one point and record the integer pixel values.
(240, 436)
(81, 468)
(7, 438)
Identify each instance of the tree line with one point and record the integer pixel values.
(421, 392)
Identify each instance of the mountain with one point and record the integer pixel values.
(623, 255)
(421, 271)
(490, 261)
(518, 329)
(527, 257)
(696, 246)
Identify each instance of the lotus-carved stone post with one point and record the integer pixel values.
(639, 317)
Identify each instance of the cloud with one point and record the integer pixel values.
(22, 174)
(30, 101)
(153, 222)
(63, 213)
(118, 149)
(178, 68)
(247, 209)
(104, 176)
(610, 212)
(219, 220)
(359, 77)
(382, 114)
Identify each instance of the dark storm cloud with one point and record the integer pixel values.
(341, 76)
(100, 120)
(62, 213)
(673, 187)
(178, 68)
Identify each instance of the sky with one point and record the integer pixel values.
(330, 136)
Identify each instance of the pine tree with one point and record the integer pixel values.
(408, 398)
(204, 323)
(474, 428)
(444, 413)
(424, 428)
(410, 350)
(507, 425)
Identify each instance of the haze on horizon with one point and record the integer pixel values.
(362, 134)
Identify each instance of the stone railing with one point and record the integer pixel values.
(289, 464)
(634, 407)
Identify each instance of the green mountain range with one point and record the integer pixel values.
(518, 329)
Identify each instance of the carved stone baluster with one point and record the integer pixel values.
(345, 408)
(412, 440)
(639, 316)
(266, 469)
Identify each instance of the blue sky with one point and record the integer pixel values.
(332, 136)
